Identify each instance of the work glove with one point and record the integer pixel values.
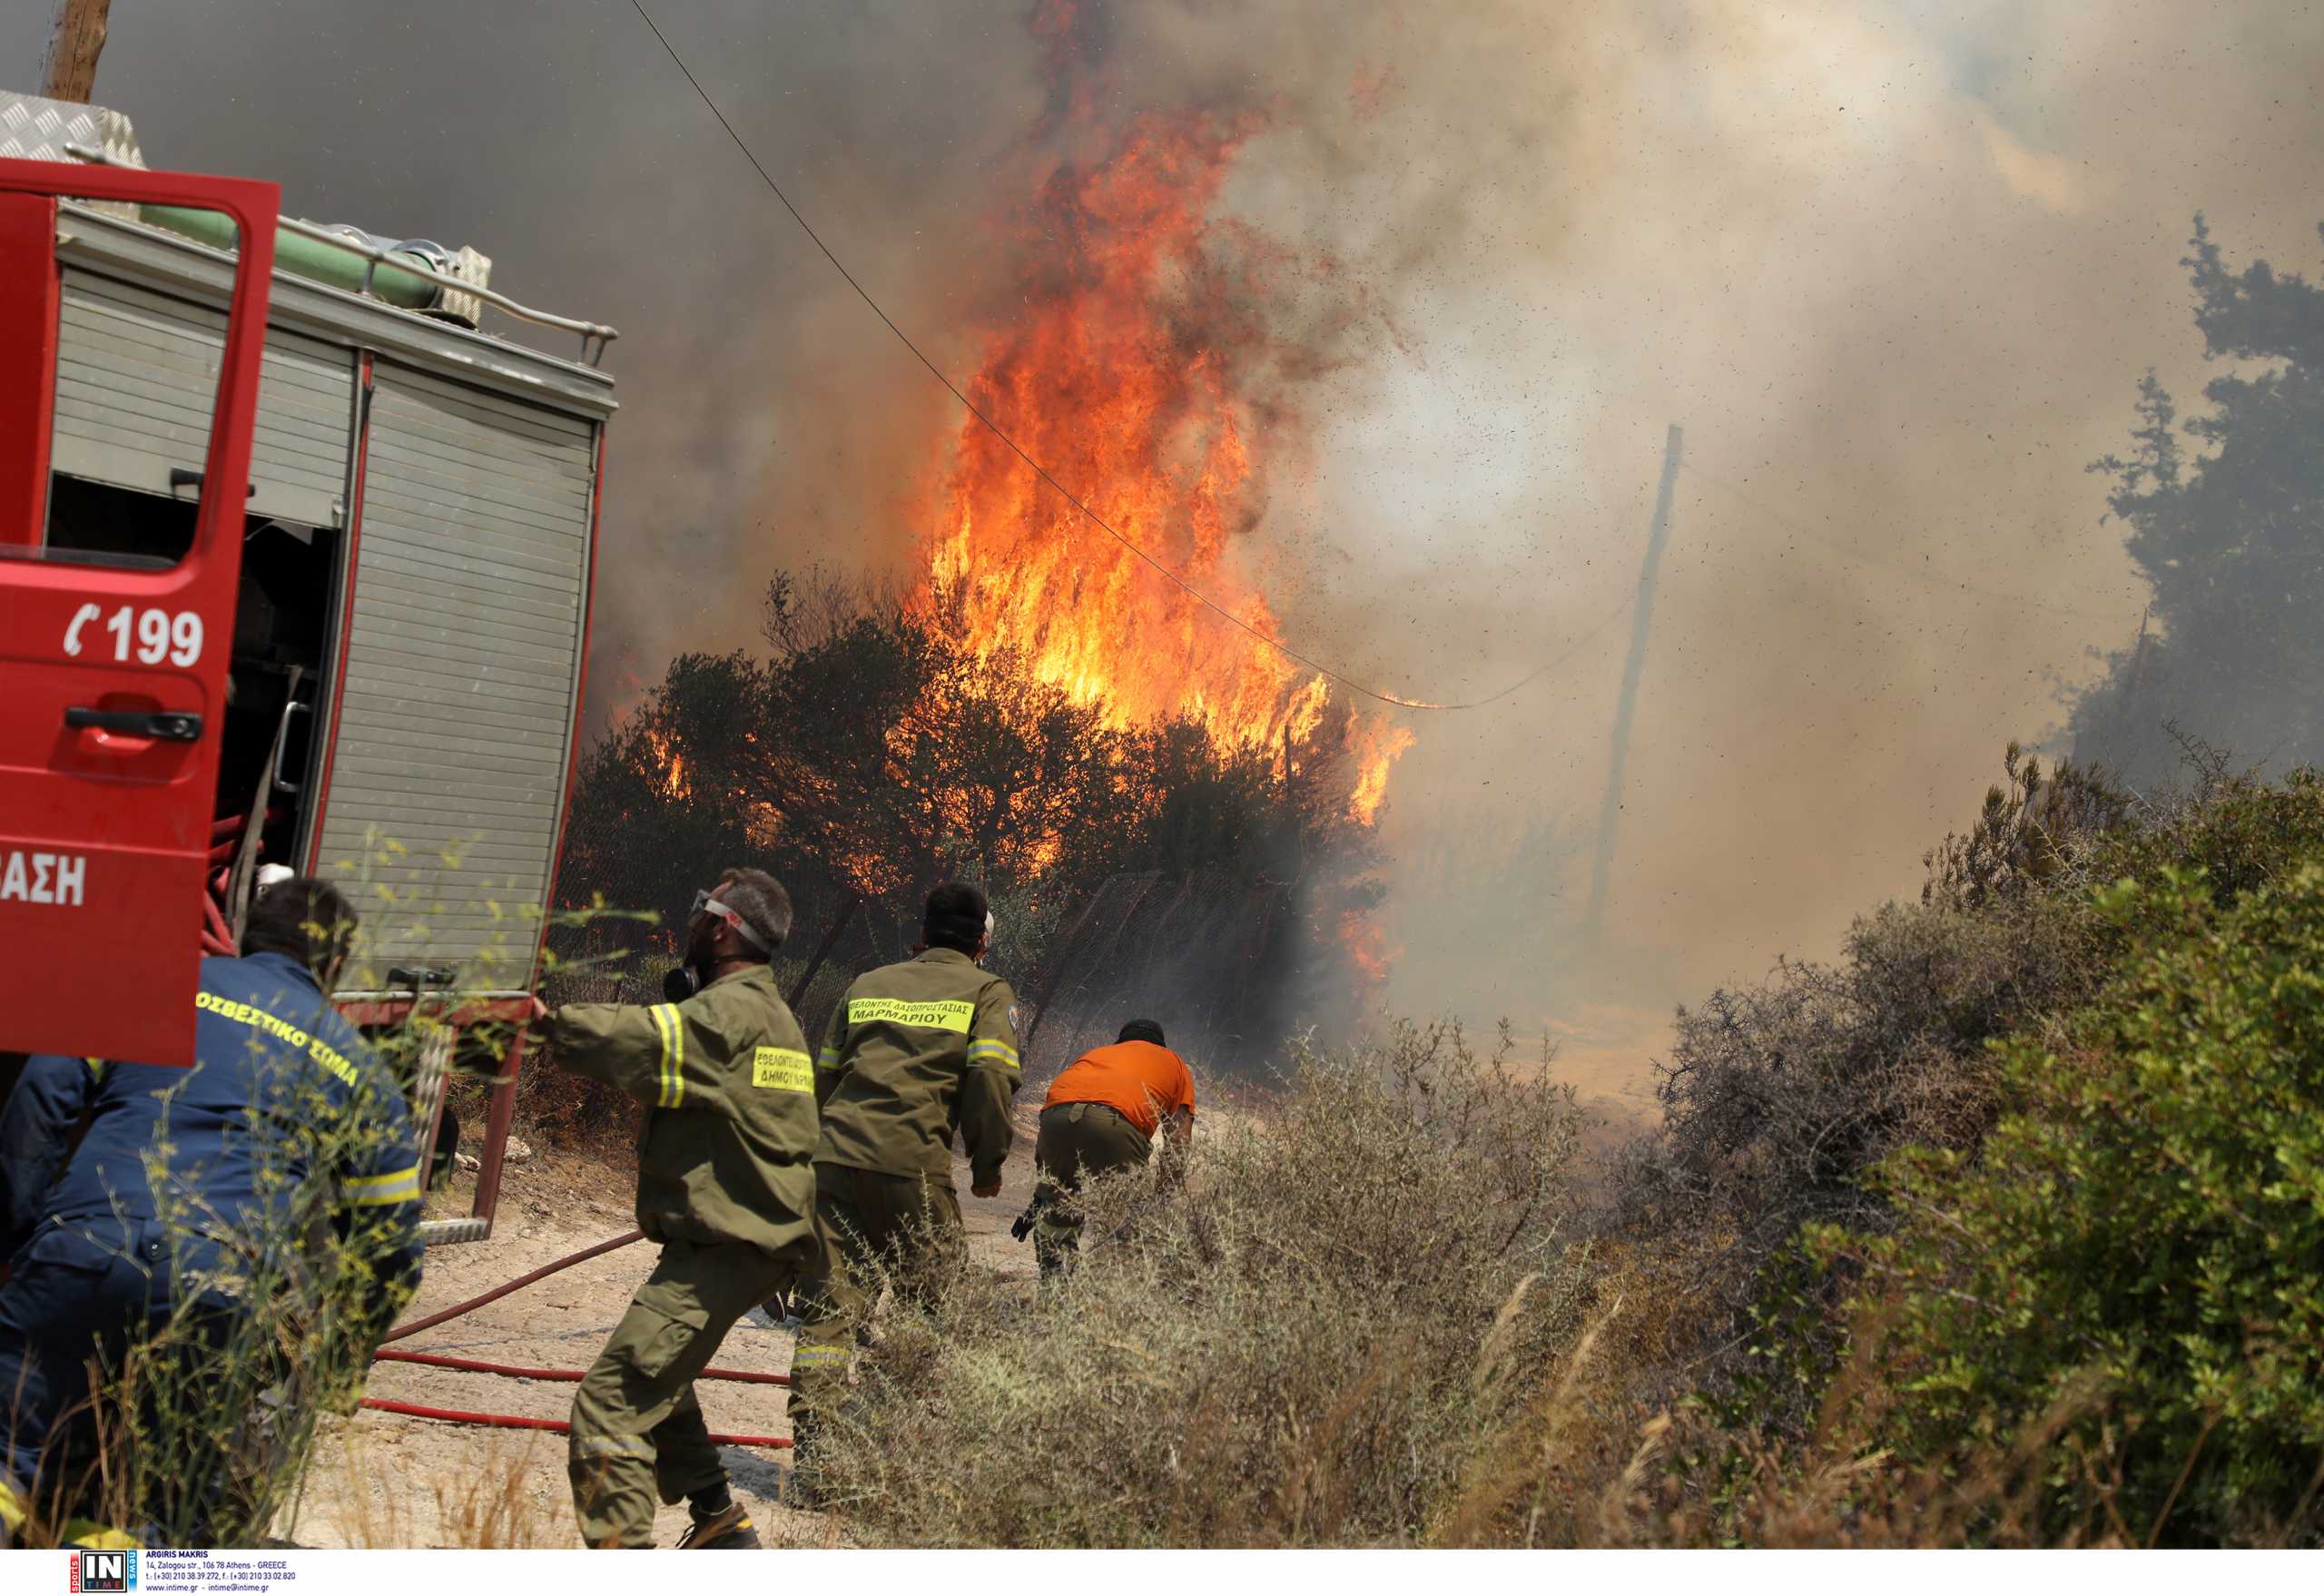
(1031, 1216)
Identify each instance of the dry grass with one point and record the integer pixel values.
(1304, 1347)
(487, 1505)
(1589, 1461)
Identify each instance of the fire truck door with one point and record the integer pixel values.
(116, 620)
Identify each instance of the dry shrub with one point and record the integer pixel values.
(1305, 1346)
(1591, 1461)
(1589, 1413)
(1777, 1097)
(1780, 1099)
(1777, 1411)
(1693, 1483)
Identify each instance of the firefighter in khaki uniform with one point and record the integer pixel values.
(915, 1053)
(725, 1182)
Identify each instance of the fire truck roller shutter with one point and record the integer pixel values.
(462, 662)
(137, 376)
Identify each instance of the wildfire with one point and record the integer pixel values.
(1367, 948)
(670, 764)
(1117, 373)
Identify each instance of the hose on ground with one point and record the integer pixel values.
(498, 1292)
(516, 1420)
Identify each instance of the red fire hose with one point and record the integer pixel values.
(515, 1370)
(498, 1292)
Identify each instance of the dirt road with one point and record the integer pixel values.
(386, 1480)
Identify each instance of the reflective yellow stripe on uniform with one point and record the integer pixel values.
(400, 1185)
(947, 1014)
(91, 1536)
(828, 1058)
(672, 1029)
(611, 1447)
(990, 1052)
(805, 1356)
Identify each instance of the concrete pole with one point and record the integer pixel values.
(76, 40)
(1626, 709)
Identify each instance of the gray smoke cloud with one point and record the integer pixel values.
(766, 415)
(1897, 268)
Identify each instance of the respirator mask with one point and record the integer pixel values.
(683, 980)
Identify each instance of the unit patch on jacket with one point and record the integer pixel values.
(948, 1014)
(784, 1069)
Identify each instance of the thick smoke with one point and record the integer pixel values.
(1895, 267)
(767, 417)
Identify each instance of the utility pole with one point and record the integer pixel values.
(1626, 709)
(76, 40)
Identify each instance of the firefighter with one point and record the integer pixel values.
(192, 1206)
(916, 1054)
(725, 1183)
(1102, 1114)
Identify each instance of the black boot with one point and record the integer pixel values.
(720, 1523)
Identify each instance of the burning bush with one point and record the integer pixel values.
(870, 753)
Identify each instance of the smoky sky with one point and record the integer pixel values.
(1895, 266)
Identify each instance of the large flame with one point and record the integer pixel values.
(1117, 373)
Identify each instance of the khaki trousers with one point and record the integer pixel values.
(903, 1231)
(1077, 1141)
(637, 1430)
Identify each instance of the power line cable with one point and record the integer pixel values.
(1038, 469)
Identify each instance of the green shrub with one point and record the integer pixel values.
(2240, 832)
(2141, 1241)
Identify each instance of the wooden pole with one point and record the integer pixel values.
(76, 40)
(1626, 707)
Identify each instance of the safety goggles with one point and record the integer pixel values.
(703, 903)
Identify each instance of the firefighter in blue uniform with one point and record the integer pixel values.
(193, 1192)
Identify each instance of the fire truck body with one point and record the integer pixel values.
(422, 514)
(405, 628)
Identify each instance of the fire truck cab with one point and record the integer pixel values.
(295, 568)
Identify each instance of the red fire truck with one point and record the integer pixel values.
(295, 568)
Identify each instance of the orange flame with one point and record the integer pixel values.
(1367, 948)
(1119, 376)
(669, 764)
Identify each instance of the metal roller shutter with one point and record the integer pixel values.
(468, 496)
(137, 379)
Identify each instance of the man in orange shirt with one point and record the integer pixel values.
(1102, 1114)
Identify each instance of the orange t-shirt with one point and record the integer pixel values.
(1144, 1083)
